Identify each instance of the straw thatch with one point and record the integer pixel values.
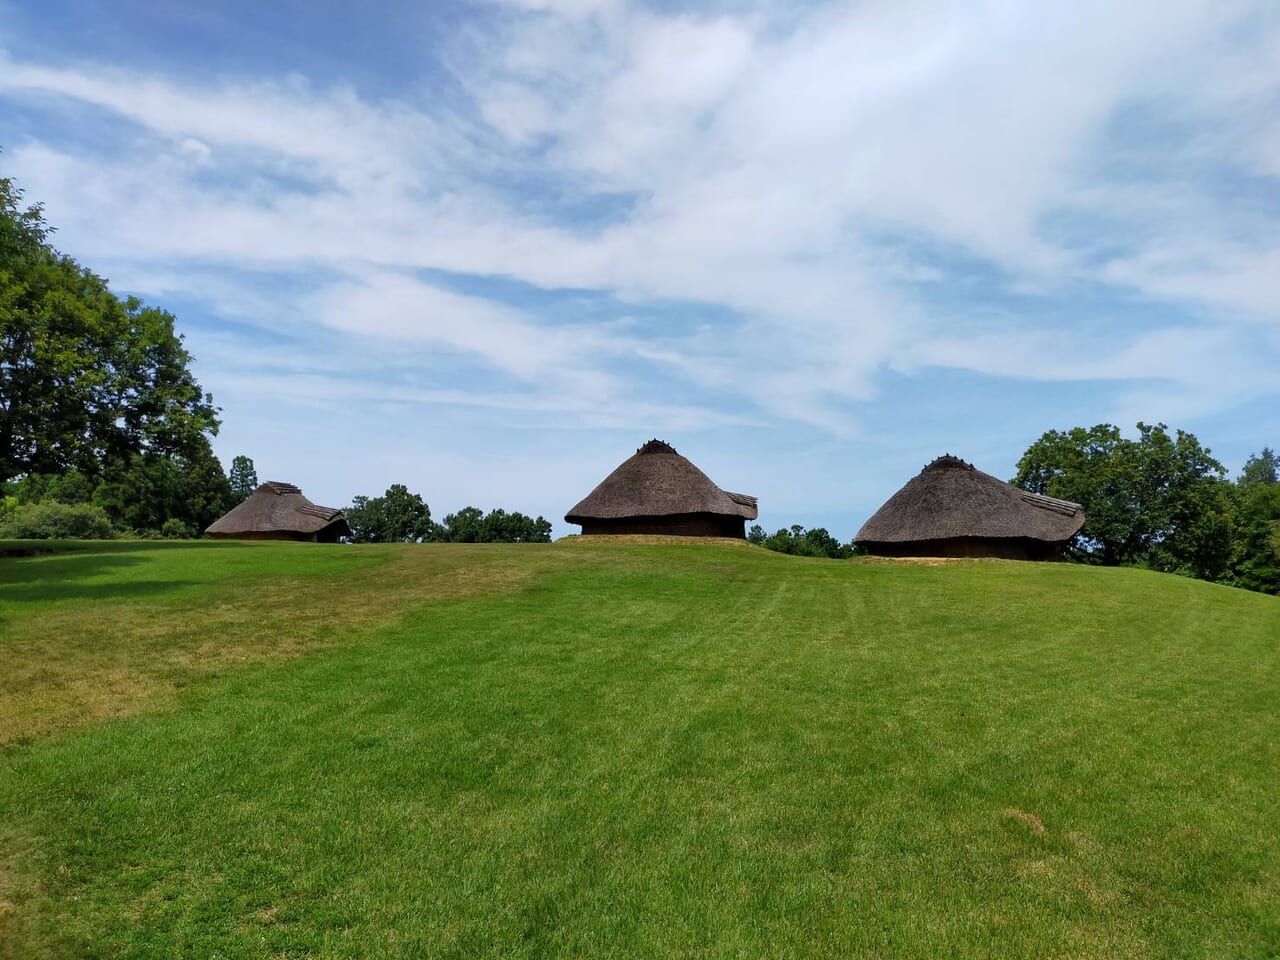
(279, 511)
(952, 509)
(659, 491)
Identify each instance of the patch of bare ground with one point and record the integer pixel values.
(86, 663)
(1034, 823)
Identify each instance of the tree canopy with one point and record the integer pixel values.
(471, 525)
(1161, 500)
(397, 516)
(89, 378)
(98, 405)
(243, 477)
(798, 541)
(1261, 468)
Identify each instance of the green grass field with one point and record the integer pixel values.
(630, 750)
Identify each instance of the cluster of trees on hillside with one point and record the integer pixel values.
(399, 516)
(103, 427)
(1162, 501)
(798, 541)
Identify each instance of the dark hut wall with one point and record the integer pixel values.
(330, 534)
(1004, 549)
(677, 525)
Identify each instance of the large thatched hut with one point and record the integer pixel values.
(279, 511)
(951, 509)
(659, 491)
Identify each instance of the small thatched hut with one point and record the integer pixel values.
(952, 509)
(279, 511)
(659, 491)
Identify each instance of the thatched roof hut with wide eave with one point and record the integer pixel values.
(657, 491)
(279, 511)
(952, 509)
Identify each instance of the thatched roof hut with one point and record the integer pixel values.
(279, 511)
(952, 509)
(659, 491)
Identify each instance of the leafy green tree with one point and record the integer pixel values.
(244, 478)
(205, 490)
(1255, 559)
(471, 525)
(397, 516)
(140, 493)
(798, 541)
(86, 378)
(51, 520)
(515, 527)
(1261, 468)
(175, 529)
(70, 487)
(465, 526)
(1159, 500)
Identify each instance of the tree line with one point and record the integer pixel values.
(1162, 501)
(399, 516)
(801, 542)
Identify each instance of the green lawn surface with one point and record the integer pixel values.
(622, 749)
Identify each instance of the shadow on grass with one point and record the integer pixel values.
(60, 567)
(65, 577)
(19, 548)
(43, 592)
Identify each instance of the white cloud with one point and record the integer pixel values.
(765, 155)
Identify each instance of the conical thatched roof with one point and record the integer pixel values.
(950, 498)
(658, 482)
(278, 508)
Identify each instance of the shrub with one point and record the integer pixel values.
(175, 529)
(57, 521)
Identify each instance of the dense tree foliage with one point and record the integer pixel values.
(243, 477)
(142, 494)
(1255, 557)
(55, 521)
(98, 406)
(1157, 499)
(800, 542)
(397, 516)
(86, 378)
(1161, 501)
(470, 525)
(1261, 468)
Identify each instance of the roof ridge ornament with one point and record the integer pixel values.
(656, 446)
(948, 462)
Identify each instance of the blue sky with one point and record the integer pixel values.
(486, 249)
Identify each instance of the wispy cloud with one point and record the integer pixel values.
(807, 197)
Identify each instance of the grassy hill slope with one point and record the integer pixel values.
(630, 750)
